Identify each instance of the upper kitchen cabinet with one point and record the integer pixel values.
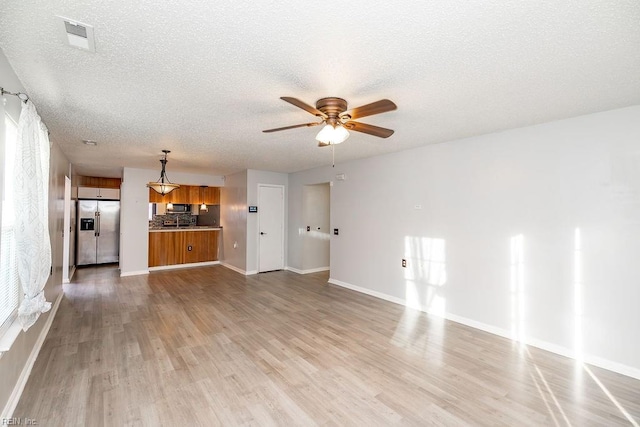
(188, 194)
(212, 195)
(194, 195)
(94, 193)
(155, 197)
(179, 195)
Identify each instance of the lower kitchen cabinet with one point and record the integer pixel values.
(182, 247)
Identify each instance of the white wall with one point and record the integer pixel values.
(233, 218)
(518, 233)
(254, 178)
(134, 214)
(15, 362)
(315, 213)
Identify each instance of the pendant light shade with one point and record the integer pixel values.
(163, 185)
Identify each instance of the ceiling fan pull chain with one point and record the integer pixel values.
(333, 155)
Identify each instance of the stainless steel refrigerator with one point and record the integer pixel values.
(98, 231)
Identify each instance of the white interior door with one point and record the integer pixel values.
(270, 227)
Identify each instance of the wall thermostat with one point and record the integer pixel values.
(253, 209)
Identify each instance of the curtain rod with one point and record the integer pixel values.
(23, 96)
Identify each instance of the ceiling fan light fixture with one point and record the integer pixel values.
(163, 185)
(332, 135)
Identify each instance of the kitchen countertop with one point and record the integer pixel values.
(185, 228)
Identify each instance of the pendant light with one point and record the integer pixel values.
(203, 206)
(163, 185)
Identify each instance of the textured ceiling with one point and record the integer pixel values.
(203, 78)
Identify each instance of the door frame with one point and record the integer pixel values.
(66, 232)
(282, 187)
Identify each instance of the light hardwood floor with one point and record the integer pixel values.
(208, 346)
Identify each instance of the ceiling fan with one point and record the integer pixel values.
(338, 120)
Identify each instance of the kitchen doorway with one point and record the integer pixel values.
(316, 245)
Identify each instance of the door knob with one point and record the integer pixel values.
(262, 233)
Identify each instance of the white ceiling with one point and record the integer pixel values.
(203, 78)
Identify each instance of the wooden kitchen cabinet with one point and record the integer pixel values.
(194, 196)
(176, 196)
(188, 194)
(172, 247)
(179, 195)
(165, 249)
(155, 197)
(212, 195)
(198, 242)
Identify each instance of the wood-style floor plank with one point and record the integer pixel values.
(207, 346)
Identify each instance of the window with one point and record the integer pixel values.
(9, 284)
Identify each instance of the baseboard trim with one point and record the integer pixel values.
(238, 270)
(68, 280)
(367, 291)
(189, 265)
(311, 270)
(7, 412)
(133, 273)
(544, 345)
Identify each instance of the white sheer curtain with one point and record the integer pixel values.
(32, 214)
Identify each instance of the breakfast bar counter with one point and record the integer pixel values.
(183, 246)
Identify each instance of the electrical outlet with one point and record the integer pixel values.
(189, 248)
(404, 263)
(308, 228)
(335, 232)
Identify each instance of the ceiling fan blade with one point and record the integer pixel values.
(377, 107)
(308, 108)
(370, 129)
(292, 127)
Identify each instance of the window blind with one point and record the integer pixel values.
(9, 284)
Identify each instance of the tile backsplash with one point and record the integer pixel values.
(183, 218)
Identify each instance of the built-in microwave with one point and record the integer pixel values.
(178, 208)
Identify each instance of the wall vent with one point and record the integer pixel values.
(76, 34)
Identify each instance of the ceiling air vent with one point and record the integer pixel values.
(76, 34)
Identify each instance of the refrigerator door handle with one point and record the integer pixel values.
(97, 224)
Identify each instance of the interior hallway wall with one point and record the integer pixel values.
(14, 361)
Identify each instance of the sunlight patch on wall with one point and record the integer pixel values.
(425, 274)
(318, 235)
